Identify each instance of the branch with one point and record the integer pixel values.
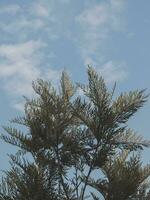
(89, 172)
(60, 171)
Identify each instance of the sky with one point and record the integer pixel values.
(40, 38)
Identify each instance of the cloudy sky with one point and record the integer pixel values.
(39, 38)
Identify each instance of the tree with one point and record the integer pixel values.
(79, 146)
(125, 178)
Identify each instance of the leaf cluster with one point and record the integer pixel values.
(69, 137)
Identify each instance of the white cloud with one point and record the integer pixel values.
(117, 4)
(98, 23)
(65, 1)
(40, 9)
(34, 18)
(22, 26)
(94, 17)
(100, 20)
(20, 60)
(10, 9)
(102, 15)
(112, 72)
(20, 66)
(19, 106)
(89, 61)
(14, 52)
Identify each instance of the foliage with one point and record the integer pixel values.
(69, 138)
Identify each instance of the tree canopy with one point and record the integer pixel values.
(80, 146)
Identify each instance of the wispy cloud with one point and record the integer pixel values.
(22, 58)
(40, 10)
(10, 9)
(20, 65)
(95, 17)
(98, 22)
(18, 58)
(112, 72)
(102, 14)
(27, 29)
(32, 19)
(65, 1)
(22, 25)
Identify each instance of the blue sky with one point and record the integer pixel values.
(40, 38)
